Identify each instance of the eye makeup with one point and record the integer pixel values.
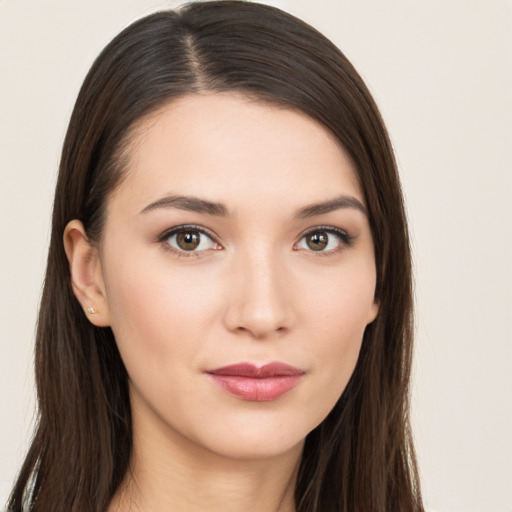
(190, 240)
(325, 240)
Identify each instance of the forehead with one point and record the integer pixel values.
(230, 148)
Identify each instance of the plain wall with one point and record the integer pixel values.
(441, 72)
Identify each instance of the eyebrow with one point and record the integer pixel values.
(331, 205)
(195, 204)
(189, 203)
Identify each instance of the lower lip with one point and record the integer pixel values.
(256, 390)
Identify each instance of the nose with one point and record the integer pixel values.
(260, 297)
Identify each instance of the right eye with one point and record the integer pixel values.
(189, 240)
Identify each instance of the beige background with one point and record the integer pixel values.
(441, 72)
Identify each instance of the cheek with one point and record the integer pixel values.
(341, 303)
(158, 314)
(338, 351)
(339, 319)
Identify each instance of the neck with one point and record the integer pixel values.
(169, 472)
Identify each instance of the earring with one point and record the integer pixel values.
(91, 311)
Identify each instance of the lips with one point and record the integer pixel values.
(259, 384)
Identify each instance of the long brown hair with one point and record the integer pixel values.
(361, 457)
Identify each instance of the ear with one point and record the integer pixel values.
(373, 311)
(86, 274)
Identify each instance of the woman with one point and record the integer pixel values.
(226, 318)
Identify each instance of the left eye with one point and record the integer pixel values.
(190, 240)
(323, 240)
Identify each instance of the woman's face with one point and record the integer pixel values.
(237, 241)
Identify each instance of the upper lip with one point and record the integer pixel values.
(275, 369)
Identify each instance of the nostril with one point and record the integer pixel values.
(258, 305)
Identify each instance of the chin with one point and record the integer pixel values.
(257, 435)
(243, 447)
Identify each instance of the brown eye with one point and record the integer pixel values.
(325, 240)
(317, 241)
(189, 240)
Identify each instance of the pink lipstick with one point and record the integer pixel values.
(258, 384)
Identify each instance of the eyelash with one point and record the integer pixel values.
(164, 237)
(345, 239)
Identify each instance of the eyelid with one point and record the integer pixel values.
(163, 237)
(346, 239)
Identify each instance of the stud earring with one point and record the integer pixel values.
(91, 311)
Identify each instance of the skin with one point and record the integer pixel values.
(253, 291)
